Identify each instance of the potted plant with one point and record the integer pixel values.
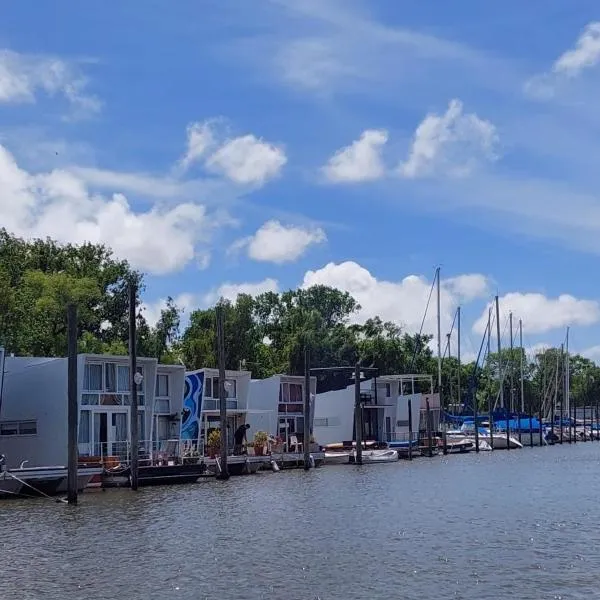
(250, 448)
(214, 443)
(260, 440)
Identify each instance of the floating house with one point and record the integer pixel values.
(201, 405)
(33, 410)
(277, 407)
(385, 412)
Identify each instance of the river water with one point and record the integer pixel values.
(521, 524)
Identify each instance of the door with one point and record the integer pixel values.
(119, 434)
(101, 434)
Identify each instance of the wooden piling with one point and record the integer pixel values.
(306, 442)
(541, 433)
(223, 473)
(73, 405)
(358, 415)
(475, 418)
(531, 428)
(410, 429)
(133, 424)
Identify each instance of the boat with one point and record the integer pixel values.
(384, 455)
(496, 440)
(42, 481)
(120, 475)
(337, 457)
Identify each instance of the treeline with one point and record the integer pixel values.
(265, 335)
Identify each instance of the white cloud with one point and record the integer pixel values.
(248, 160)
(468, 287)
(570, 65)
(230, 291)
(593, 353)
(22, 76)
(541, 314)
(57, 204)
(451, 144)
(360, 161)
(200, 139)
(402, 302)
(585, 54)
(278, 243)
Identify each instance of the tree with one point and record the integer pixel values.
(36, 279)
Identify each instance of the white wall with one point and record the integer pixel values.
(338, 408)
(263, 396)
(36, 389)
(402, 413)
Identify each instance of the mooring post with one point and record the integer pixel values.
(224, 470)
(429, 436)
(358, 415)
(306, 442)
(531, 428)
(133, 425)
(475, 418)
(410, 429)
(73, 404)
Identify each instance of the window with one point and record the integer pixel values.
(140, 370)
(110, 377)
(208, 388)
(92, 377)
(295, 392)
(229, 393)
(388, 390)
(90, 399)
(122, 378)
(84, 427)
(18, 428)
(162, 386)
(9, 428)
(161, 405)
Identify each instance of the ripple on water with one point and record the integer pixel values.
(503, 524)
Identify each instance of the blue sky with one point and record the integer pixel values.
(229, 145)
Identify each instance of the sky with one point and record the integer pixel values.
(226, 146)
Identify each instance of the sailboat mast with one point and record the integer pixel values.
(521, 361)
(458, 352)
(567, 375)
(500, 374)
(512, 385)
(439, 334)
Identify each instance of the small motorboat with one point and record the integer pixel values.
(337, 457)
(385, 455)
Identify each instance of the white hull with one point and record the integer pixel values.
(337, 458)
(525, 439)
(377, 456)
(496, 441)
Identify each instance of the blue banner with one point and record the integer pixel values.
(192, 406)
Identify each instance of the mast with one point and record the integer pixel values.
(500, 374)
(458, 352)
(512, 385)
(521, 356)
(439, 335)
(567, 398)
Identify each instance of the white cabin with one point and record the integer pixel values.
(385, 410)
(33, 412)
(201, 405)
(276, 405)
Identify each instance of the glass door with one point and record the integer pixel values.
(119, 433)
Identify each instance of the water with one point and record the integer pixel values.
(521, 524)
